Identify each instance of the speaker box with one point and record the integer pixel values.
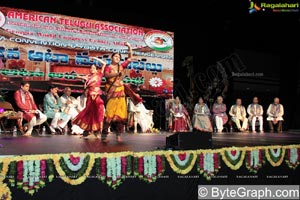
(189, 141)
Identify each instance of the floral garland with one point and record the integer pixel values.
(254, 160)
(149, 167)
(74, 177)
(182, 162)
(5, 193)
(31, 175)
(233, 157)
(113, 169)
(208, 164)
(3, 170)
(12, 173)
(275, 155)
(293, 157)
(50, 168)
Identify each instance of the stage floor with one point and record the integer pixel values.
(22, 145)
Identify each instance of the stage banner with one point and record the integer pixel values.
(46, 48)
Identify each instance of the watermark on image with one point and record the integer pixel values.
(248, 192)
(247, 74)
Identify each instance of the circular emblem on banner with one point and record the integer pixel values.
(158, 40)
(2, 19)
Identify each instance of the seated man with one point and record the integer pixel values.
(69, 103)
(82, 100)
(238, 114)
(255, 112)
(138, 114)
(26, 104)
(219, 114)
(52, 109)
(275, 113)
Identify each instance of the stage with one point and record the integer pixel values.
(70, 167)
(139, 142)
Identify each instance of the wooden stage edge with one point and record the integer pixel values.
(52, 144)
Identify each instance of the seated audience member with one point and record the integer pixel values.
(201, 117)
(219, 114)
(69, 103)
(26, 104)
(238, 114)
(82, 100)
(52, 109)
(138, 114)
(275, 113)
(179, 120)
(70, 106)
(255, 112)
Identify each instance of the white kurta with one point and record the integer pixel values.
(275, 112)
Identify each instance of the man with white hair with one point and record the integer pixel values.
(275, 112)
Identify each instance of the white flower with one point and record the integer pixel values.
(155, 82)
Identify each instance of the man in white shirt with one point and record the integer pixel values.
(238, 115)
(70, 106)
(275, 112)
(255, 112)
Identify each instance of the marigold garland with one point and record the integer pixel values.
(3, 170)
(293, 157)
(74, 178)
(50, 167)
(275, 161)
(149, 167)
(188, 165)
(5, 193)
(12, 173)
(208, 164)
(233, 164)
(254, 160)
(113, 170)
(181, 162)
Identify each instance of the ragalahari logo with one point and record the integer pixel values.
(273, 7)
(253, 7)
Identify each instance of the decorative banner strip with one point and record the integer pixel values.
(254, 160)
(182, 162)
(275, 156)
(70, 175)
(208, 165)
(233, 157)
(293, 157)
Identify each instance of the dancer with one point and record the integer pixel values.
(116, 91)
(91, 117)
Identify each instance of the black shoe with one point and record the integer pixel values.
(58, 131)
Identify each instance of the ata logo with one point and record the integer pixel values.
(158, 40)
(2, 19)
(253, 7)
